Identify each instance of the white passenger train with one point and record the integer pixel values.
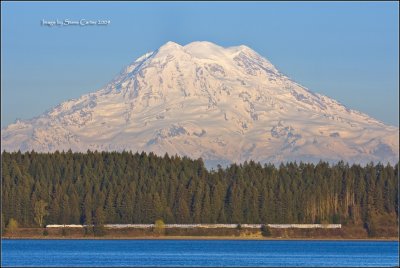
(252, 226)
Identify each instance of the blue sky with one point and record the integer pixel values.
(347, 51)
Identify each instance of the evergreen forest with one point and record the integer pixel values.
(125, 187)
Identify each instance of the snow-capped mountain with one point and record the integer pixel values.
(202, 100)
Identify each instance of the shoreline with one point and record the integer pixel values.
(347, 233)
(215, 238)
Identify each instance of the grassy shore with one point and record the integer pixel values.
(345, 233)
(203, 238)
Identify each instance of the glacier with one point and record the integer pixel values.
(201, 100)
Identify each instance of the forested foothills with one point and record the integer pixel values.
(111, 187)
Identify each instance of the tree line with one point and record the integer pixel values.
(112, 187)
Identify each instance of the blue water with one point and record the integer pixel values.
(198, 253)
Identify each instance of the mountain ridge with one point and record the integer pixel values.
(202, 100)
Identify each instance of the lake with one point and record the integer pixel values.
(198, 253)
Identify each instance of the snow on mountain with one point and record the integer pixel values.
(202, 100)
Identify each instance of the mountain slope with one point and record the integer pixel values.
(201, 100)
